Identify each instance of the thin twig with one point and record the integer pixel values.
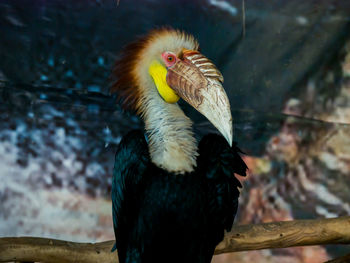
(243, 18)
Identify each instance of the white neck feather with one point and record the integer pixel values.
(172, 145)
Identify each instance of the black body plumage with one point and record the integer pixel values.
(163, 217)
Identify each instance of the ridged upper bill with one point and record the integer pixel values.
(196, 80)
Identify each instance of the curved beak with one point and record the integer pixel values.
(196, 80)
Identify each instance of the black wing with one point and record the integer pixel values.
(219, 162)
(131, 161)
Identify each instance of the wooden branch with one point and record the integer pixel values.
(242, 238)
(287, 234)
(52, 250)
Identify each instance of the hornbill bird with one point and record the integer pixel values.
(172, 198)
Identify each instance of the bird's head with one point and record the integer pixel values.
(167, 63)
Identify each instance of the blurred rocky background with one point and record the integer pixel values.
(287, 76)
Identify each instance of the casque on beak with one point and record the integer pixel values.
(196, 80)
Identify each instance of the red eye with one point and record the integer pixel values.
(169, 58)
